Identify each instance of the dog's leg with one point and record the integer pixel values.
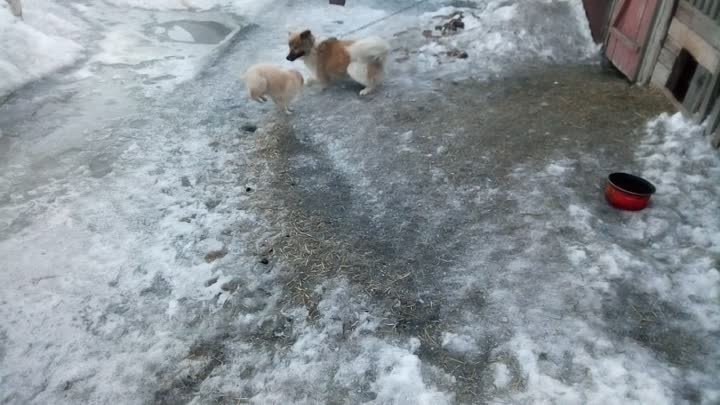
(282, 104)
(257, 95)
(374, 75)
(321, 83)
(323, 79)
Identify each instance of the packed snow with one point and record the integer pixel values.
(638, 260)
(498, 33)
(141, 228)
(245, 7)
(44, 41)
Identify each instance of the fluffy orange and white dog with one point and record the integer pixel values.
(363, 60)
(281, 85)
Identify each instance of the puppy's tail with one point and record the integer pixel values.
(369, 50)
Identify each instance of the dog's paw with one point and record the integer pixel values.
(366, 91)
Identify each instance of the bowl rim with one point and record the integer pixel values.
(651, 186)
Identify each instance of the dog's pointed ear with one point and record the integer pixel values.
(305, 34)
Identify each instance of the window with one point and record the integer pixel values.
(682, 74)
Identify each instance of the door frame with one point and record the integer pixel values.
(660, 26)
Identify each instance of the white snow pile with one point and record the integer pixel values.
(54, 35)
(616, 307)
(45, 40)
(683, 225)
(501, 33)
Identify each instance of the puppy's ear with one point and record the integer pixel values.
(305, 34)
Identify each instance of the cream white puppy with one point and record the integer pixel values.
(281, 85)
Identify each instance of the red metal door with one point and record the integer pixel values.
(629, 28)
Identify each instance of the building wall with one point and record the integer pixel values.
(688, 66)
(691, 30)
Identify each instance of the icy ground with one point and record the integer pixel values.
(442, 242)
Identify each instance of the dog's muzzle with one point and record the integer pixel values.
(294, 55)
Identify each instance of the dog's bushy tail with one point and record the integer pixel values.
(369, 50)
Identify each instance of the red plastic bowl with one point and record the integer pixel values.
(628, 192)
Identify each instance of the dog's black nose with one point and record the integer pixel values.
(293, 55)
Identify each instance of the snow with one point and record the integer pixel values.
(555, 169)
(673, 151)
(609, 379)
(44, 41)
(54, 35)
(661, 252)
(73, 268)
(400, 381)
(326, 358)
(496, 32)
(501, 374)
(246, 7)
(131, 247)
(458, 343)
(177, 33)
(169, 53)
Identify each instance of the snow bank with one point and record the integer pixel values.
(52, 36)
(684, 216)
(596, 305)
(246, 7)
(654, 274)
(44, 41)
(498, 34)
